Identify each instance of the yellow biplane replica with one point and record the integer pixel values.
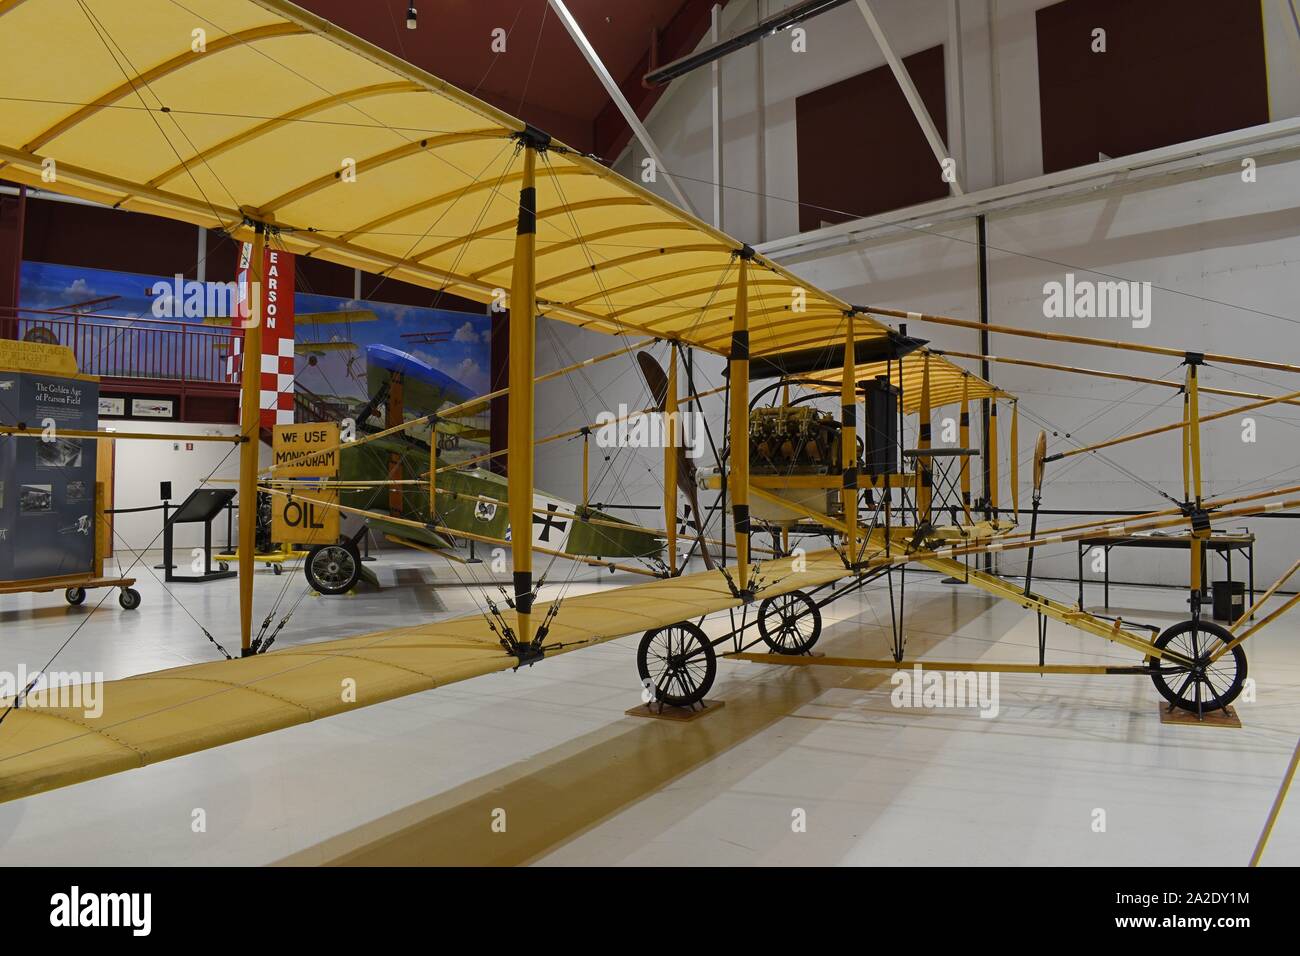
(453, 194)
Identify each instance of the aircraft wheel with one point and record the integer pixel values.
(129, 598)
(790, 623)
(332, 568)
(74, 596)
(1207, 686)
(677, 664)
(276, 569)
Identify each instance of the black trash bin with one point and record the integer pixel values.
(1229, 600)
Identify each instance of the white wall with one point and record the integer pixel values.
(999, 93)
(1215, 238)
(140, 465)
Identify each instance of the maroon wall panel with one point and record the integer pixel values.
(861, 150)
(1173, 70)
(98, 238)
(12, 209)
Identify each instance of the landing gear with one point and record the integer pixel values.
(790, 623)
(333, 568)
(677, 664)
(1209, 685)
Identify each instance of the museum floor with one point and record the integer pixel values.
(547, 755)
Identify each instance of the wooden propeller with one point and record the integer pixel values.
(657, 381)
(1040, 456)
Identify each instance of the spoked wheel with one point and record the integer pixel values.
(678, 663)
(332, 568)
(1209, 685)
(790, 623)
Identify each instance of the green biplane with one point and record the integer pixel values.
(389, 475)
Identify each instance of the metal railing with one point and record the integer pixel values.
(133, 348)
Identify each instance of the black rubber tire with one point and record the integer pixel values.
(790, 623)
(129, 598)
(223, 566)
(678, 662)
(333, 568)
(1219, 684)
(276, 569)
(75, 596)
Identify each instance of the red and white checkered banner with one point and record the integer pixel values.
(276, 395)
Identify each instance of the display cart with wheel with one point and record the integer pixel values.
(54, 530)
(75, 586)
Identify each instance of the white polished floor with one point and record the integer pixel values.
(549, 753)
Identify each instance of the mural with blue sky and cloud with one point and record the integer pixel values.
(458, 344)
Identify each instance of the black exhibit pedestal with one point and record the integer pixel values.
(201, 507)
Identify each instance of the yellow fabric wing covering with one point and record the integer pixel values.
(945, 380)
(169, 713)
(360, 158)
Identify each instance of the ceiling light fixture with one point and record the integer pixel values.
(411, 16)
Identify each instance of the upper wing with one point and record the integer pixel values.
(214, 111)
(949, 383)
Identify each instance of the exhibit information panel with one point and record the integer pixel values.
(47, 484)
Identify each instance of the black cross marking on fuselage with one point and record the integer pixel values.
(549, 521)
(686, 526)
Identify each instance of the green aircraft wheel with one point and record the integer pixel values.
(790, 623)
(677, 664)
(1208, 685)
(332, 568)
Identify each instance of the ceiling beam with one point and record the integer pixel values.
(910, 93)
(616, 94)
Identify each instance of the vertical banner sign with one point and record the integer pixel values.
(276, 395)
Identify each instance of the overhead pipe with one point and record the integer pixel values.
(764, 28)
